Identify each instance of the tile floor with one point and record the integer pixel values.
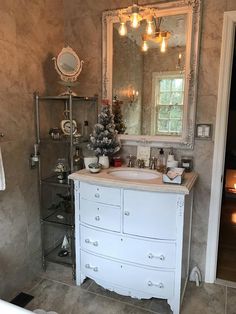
(61, 295)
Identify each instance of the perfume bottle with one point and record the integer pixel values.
(85, 130)
(78, 162)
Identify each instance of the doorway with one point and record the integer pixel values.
(226, 262)
(217, 184)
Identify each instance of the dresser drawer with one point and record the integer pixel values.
(100, 194)
(100, 215)
(154, 282)
(149, 253)
(150, 214)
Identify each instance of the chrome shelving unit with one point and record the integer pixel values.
(57, 219)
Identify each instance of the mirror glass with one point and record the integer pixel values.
(150, 85)
(68, 63)
(155, 89)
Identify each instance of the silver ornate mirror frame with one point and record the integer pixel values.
(192, 9)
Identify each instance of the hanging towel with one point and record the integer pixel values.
(2, 174)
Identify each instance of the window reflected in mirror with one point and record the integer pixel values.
(168, 93)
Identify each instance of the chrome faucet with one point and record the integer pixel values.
(153, 163)
(141, 163)
(131, 161)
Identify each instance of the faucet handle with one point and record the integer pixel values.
(131, 160)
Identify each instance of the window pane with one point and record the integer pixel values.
(165, 85)
(177, 84)
(176, 112)
(176, 126)
(177, 98)
(163, 126)
(164, 98)
(164, 112)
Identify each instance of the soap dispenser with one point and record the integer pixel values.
(161, 161)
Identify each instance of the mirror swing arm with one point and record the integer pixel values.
(192, 10)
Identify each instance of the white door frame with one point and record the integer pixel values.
(226, 60)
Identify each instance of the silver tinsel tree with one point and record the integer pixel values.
(104, 140)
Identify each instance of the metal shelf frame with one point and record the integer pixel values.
(52, 182)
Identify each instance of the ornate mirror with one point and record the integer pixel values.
(68, 65)
(150, 58)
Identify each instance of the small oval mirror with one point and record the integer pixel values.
(68, 65)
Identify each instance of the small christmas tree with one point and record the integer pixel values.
(118, 117)
(103, 140)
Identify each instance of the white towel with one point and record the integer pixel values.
(2, 174)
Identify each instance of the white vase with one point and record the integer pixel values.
(104, 161)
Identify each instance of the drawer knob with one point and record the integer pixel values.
(94, 268)
(94, 243)
(97, 218)
(127, 213)
(158, 285)
(97, 195)
(160, 257)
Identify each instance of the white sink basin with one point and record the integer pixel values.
(134, 174)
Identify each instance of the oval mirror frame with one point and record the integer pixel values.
(71, 75)
(192, 9)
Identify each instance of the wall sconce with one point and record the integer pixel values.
(133, 96)
(179, 61)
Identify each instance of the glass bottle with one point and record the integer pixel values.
(78, 162)
(85, 131)
(161, 161)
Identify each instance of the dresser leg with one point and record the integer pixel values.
(174, 305)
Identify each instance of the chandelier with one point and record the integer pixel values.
(134, 14)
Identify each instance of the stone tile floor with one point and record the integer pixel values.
(56, 291)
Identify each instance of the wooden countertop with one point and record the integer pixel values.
(105, 178)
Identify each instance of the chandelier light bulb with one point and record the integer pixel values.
(150, 28)
(135, 20)
(145, 46)
(122, 29)
(163, 44)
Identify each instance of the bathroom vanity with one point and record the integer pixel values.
(133, 235)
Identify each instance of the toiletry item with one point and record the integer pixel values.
(161, 161)
(85, 131)
(187, 163)
(77, 160)
(117, 161)
(104, 161)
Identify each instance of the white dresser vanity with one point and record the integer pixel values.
(133, 236)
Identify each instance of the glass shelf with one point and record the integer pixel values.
(66, 97)
(52, 256)
(59, 217)
(52, 180)
(66, 140)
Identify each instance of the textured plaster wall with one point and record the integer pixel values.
(30, 33)
(84, 33)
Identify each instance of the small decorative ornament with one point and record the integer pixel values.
(104, 141)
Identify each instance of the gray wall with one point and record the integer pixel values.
(83, 32)
(30, 33)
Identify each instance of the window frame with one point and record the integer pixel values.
(156, 78)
